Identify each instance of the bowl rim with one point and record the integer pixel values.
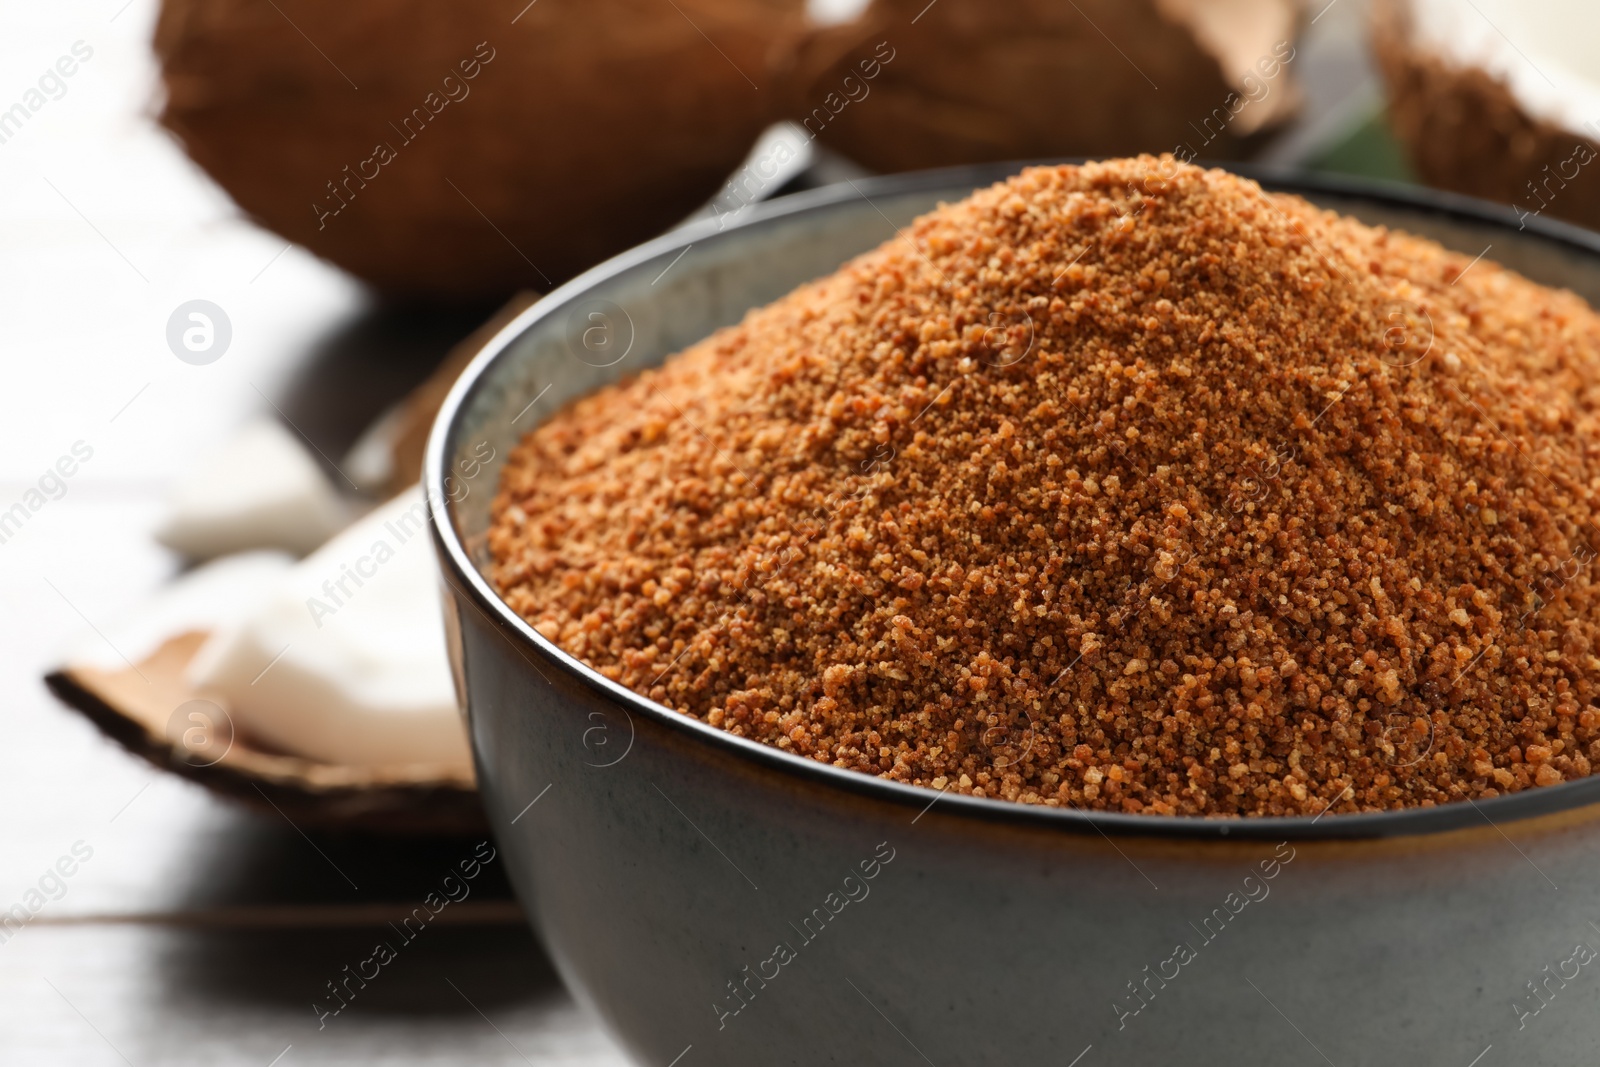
(465, 579)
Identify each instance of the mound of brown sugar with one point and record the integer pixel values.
(1126, 487)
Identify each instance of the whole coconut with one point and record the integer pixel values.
(472, 148)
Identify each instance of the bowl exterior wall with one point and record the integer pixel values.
(694, 900)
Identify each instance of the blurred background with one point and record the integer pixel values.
(349, 194)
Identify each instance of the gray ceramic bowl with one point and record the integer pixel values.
(720, 902)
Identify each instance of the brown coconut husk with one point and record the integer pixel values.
(135, 706)
(587, 128)
(971, 81)
(1464, 130)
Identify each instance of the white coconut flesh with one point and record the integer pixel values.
(262, 489)
(345, 661)
(1547, 52)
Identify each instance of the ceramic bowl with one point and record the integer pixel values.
(721, 902)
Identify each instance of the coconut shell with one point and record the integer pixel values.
(1462, 128)
(566, 132)
(136, 708)
(910, 84)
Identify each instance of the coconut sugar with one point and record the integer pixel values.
(1125, 487)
